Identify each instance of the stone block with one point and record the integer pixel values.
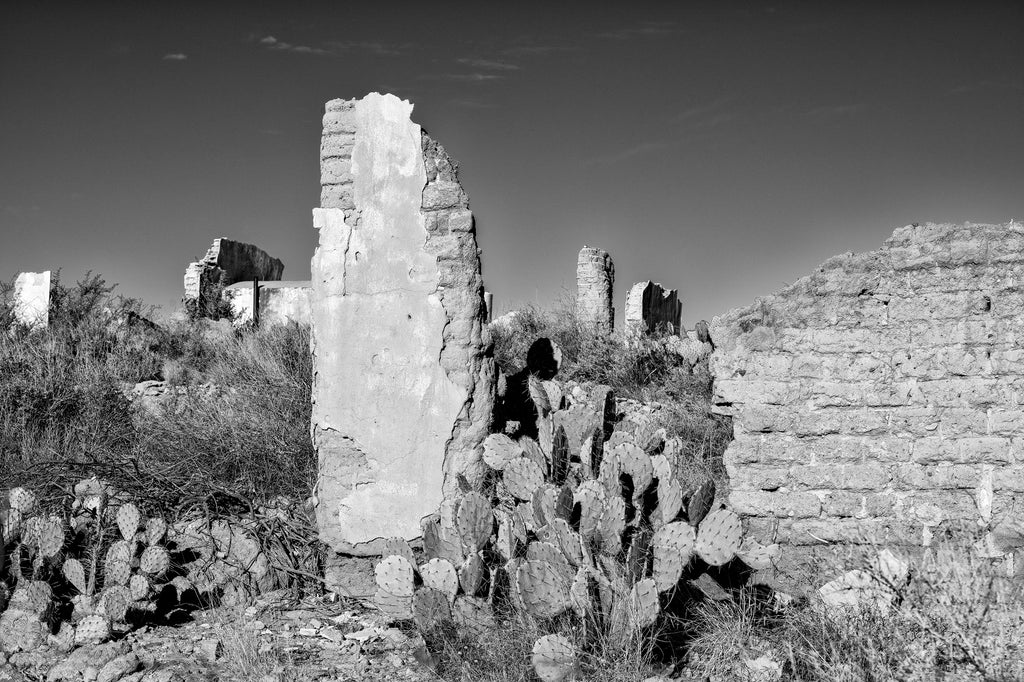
(779, 504)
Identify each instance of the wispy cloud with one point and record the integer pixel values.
(836, 109)
(175, 57)
(488, 64)
(472, 104)
(1007, 85)
(475, 77)
(647, 29)
(379, 49)
(272, 43)
(536, 50)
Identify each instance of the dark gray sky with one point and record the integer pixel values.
(724, 149)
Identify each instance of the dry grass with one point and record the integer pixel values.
(64, 413)
(960, 618)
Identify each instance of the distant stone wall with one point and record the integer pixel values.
(880, 398)
(403, 386)
(31, 302)
(595, 284)
(235, 261)
(281, 303)
(649, 308)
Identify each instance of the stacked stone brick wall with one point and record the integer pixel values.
(881, 399)
(595, 284)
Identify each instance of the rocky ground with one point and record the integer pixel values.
(276, 639)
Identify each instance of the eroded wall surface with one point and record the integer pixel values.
(595, 284)
(403, 385)
(31, 303)
(881, 399)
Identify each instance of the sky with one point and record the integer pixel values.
(724, 149)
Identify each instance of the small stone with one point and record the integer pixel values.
(118, 668)
(209, 649)
(308, 632)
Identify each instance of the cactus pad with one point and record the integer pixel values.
(550, 553)
(138, 587)
(543, 589)
(116, 572)
(398, 547)
(662, 467)
(673, 548)
(128, 518)
(431, 608)
(643, 602)
(700, 502)
(74, 573)
(471, 574)
(394, 575)
(50, 536)
(554, 658)
(522, 477)
(398, 607)
(590, 496)
(474, 521)
(22, 500)
(670, 501)
(155, 561)
(114, 603)
(92, 630)
(613, 524)
(440, 575)
(637, 465)
(719, 537)
(156, 528)
(438, 544)
(499, 450)
(544, 502)
(562, 536)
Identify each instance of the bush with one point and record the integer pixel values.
(237, 422)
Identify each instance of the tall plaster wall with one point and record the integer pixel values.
(403, 383)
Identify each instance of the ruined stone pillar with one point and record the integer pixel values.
(403, 388)
(595, 281)
(32, 299)
(649, 308)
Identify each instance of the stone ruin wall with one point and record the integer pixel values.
(881, 399)
(595, 284)
(650, 308)
(236, 261)
(403, 385)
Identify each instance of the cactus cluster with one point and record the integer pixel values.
(583, 522)
(60, 566)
